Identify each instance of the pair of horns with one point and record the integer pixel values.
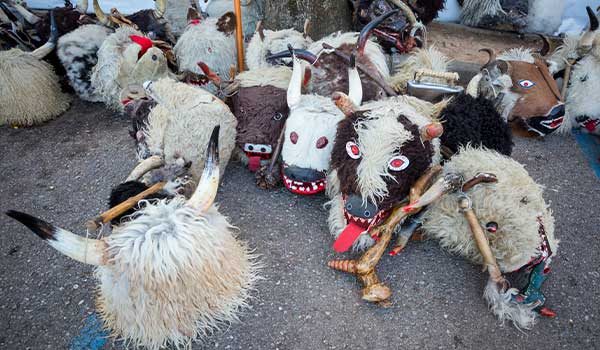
(94, 251)
(159, 12)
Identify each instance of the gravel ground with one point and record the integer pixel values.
(62, 171)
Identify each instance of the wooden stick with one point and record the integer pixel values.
(239, 35)
(113, 212)
(566, 78)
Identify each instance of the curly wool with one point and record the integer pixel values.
(515, 202)
(429, 58)
(274, 41)
(175, 276)
(29, 90)
(475, 121)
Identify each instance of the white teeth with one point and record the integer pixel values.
(302, 189)
(294, 188)
(314, 186)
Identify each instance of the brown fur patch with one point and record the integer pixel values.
(261, 112)
(227, 23)
(537, 100)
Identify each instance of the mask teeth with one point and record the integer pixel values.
(304, 187)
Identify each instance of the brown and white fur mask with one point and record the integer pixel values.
(380, 150)
(522, 89)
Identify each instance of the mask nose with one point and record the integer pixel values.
(557, 111)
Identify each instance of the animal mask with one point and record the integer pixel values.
(522, 90)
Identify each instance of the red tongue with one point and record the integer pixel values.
(347, 237)
(253, 163)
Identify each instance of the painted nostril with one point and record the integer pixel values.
(557, 111)
(294, 137)
(322, 142)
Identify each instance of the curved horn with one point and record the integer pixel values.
(102, 17)
(306, 31)
(448, 183)
(593, 19)
(366, 31)
(473, 87)
(547, 46)
(477, 179)
(260, 30)
(42, 51)
(302, 54)
(205, 193)
(491, 53)
(408, 12)
(161, 8)
(355, 92)
(85, 250)
(29, 17)
(145, 166)
(82, 6)
(294, 92)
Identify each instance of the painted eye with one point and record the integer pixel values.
(352, 150)
(367, 213)
(398, 163)
(154, 57)
(526, 83)
(349, 206)
(491, 227)
(278, 116)
(322, 142)
(294, 137)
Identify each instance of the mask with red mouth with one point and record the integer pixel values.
(377, 156)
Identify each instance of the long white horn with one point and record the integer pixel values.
(473, 87)
(45, 49)
(294, 89)
(85, 250)
(161, 8)
(102, 18)
(355, 92)
(145, 166)
(29, 17)
(205, 193)
(82, 6)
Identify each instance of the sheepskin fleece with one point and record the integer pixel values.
(372, 50)
(203, 42)
(313, 118)
(176, 276)
(545, 16)
(474, 11)
(176, 15)
(29, 90)
(77, 51)
(429, 58)
(567, 51)
(517, 54)
(585, 78)
(186, 116)
(278, 77)
(251, 13)
(514, 203)
(275, 41)
(118, 66)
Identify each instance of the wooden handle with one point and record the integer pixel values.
(450, 77)
(566, 78)
(239, 35)
(115, 211)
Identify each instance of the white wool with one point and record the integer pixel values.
(274, 42)
(545, 16)
(175, 275)
(182, 122)
(473, 11)
(372, 50)
(204, 43)
(77, 51)
(517, 54)
(251, 12)
(176, 15)
(522, 315)
(278, 77)
(314, 117)
(585, 78)
(430, 58)
(29, 90)
(567, 51)
(337, 223)
(118, 66)
(514, 203)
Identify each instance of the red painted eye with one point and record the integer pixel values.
(398, 163)
(352, 150)
(294, 137)
(322, 142)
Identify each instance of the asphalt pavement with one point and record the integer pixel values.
(63, 171)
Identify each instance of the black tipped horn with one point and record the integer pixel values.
(366, 31)
(212, 156)
(53, 29)
(40, 227)
(353, 60)
(302, 54)
(593, 18)
(491, 53)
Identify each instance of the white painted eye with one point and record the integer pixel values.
(352, 150)
(526, 83)
(398, 163)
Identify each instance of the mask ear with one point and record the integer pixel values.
(503, 66)
(226, 23)
(193, 14)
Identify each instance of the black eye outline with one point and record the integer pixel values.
(154, 57)
(278, 116)
(491, 227)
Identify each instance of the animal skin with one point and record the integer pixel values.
(274, 41)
